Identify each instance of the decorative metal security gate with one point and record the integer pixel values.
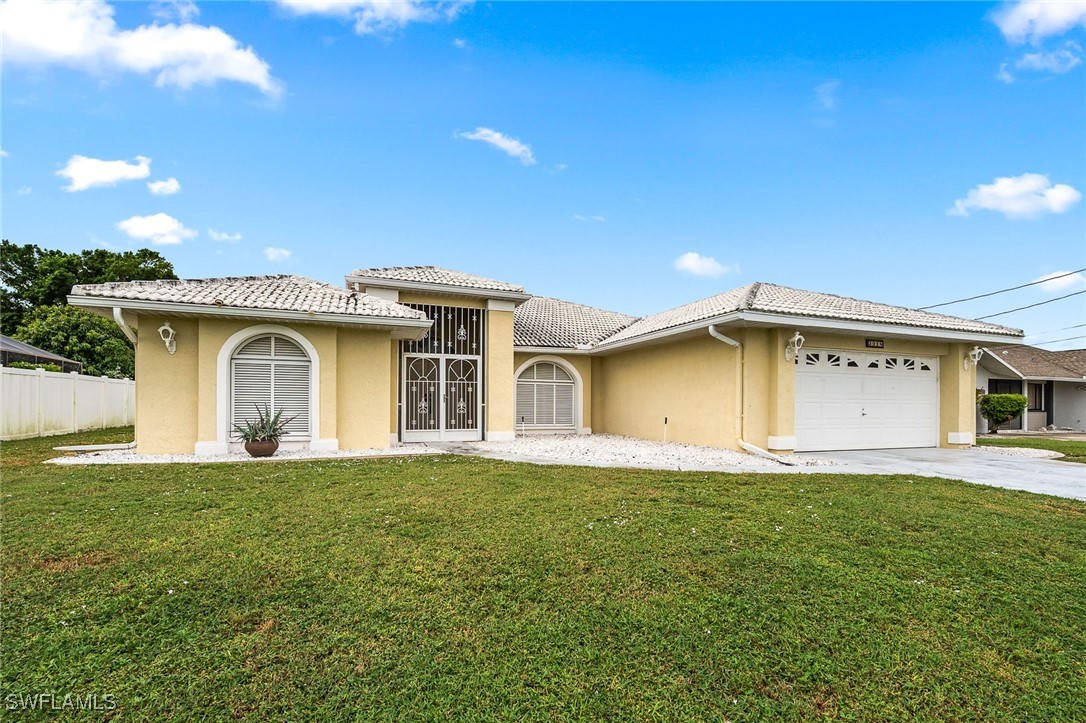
(441, 395)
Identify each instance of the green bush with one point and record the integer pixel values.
(1001, 408)
(31, 365)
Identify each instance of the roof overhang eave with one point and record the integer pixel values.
(552, 350)
(761, 318)
(438, 289)
(401, 328)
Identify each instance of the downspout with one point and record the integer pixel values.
(118, 316)
(740, 413)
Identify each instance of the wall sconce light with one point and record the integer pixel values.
(168, 337)
(793, 346)
(973, 356)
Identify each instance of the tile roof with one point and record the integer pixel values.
(545, 322)
(437, 276)
(274, 293)
(774, 299)
(1034, 362)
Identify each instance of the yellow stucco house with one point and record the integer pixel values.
(421, 353)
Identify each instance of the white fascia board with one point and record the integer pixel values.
(442, 289)
(402, 328)
(551, 350)
(1055, 379)
(805, 322)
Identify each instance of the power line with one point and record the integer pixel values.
(1083, 336)
(1039, 303)
(1002, 291)
(1053, 331)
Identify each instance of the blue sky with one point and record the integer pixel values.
(633, 156)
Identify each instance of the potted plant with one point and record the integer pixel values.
(261, 437)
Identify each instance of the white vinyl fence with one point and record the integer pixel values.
(37, 403)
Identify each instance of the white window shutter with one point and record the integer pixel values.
(525, 403)
(252, 385)
(563, 405)
(272, 371)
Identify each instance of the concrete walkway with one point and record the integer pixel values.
(1045, 476)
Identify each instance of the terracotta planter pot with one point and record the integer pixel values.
(261, 449)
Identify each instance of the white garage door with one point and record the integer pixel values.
(854, 400)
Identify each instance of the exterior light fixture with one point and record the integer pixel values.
(168, 337)
(793, 346)
(973, 356)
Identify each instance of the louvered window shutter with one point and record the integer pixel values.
(563, 405)
(525, 403)
(273, 371)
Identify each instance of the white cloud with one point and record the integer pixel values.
(3, 153)
(1054, 61)
(502, 142)
(276, 255)
(460, 43)
(599, 219)
(694, 263)
(25, 191)
(1025, 196)
(160, 229)
(1035, 20)
(1065, 282)
(1004, 74)
(84, 172)
(377, 17)
(164, 188)
(181, 10)
(83, 34)
(223, 236)
(826, 94)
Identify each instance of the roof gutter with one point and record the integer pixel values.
(812, 322)
(447, 289)
(740, 415)
(118, 316)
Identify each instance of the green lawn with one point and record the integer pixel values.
(470, 589)
(1072, 451)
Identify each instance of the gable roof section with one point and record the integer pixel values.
(782, 300)
(1031, 362)
(544, 322)
(432, 276)
(14, 346)
(285, 296)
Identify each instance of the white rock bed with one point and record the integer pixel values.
(1020, 452)
(608, 449)
(125, 456)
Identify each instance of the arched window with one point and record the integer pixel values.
(545, 398)
(271, 370)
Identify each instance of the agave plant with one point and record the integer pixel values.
(268, 427)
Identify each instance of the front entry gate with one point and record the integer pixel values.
(441, 395)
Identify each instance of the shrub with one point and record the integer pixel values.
(31, 365)
(1001, 408)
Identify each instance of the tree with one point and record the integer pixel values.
(31, 276)
(80, 336)
(1001, 408)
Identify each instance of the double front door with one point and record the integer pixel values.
(441, 398)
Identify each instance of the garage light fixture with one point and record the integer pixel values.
(168, 337)
(973, 356)
(793, 346)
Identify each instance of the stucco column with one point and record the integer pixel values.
(757, 371)
(499, 370)
(782, 395)
(167, 388)
(957, 398)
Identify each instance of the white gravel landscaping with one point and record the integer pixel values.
(1020, 452)
(613, 450)
(125, 456)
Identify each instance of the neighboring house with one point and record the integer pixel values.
(421, 353)
(13, 350)
(1054, 382)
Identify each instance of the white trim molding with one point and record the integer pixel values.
(222, 388)
(959, 438)
(578, 388)
(781, 443)
(500, 305)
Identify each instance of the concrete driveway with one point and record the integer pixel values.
(1045, 476)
